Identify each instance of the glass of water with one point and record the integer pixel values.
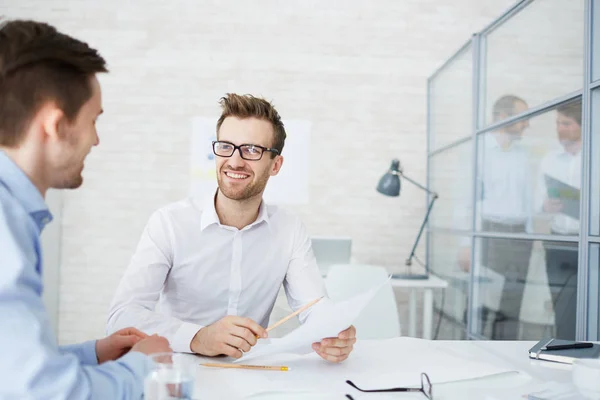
(171, 377)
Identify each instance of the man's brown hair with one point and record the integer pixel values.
(571, 110)
(39, 64)
(248, 106)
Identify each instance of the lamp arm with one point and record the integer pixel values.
(418, 185)
(414, 248)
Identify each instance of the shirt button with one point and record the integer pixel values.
(45, 220)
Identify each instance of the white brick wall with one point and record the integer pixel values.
(356, 69)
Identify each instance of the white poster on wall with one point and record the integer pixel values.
(290, 186)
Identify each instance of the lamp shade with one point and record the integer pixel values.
(389, 184)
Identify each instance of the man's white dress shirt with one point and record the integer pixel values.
(506, 180)
(565, 167)
(190, 271)
(504, 187)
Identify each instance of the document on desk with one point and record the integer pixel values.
(374, 364)
(327, 319)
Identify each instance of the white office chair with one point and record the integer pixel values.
(379, 319)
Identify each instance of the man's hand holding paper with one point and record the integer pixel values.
(327, 331)
(336, 349)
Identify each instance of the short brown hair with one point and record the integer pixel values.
(571, 110)
(39, 64)
(247, 106)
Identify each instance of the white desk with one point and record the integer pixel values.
(427, 286)
(512, 355)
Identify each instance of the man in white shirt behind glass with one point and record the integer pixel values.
(504, 206)
(563, 166)
(206, 272)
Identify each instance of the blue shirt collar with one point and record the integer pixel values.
(24, 191)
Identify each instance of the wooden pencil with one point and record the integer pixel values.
(242, 366)
(281, 321)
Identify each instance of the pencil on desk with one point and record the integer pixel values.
(281, 321)
(242, 366)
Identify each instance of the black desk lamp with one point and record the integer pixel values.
(389, 185)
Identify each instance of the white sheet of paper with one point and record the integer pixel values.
(327, 319)
(373, 364)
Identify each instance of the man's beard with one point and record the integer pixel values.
(251, 190)
(71, 180)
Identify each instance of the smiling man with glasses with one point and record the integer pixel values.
(206, 273)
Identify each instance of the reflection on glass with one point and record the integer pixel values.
(451, 101)
(539, 51)
(525, 289)
(450, 176)
(452, 302)
(529, 172)
(595, 164)
(560, 173)
(504, 182)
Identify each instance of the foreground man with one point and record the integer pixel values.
(49, 102)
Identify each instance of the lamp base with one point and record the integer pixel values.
(410, 276)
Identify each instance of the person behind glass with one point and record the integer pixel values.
(563, 165)
(49, 102)
(504, 206)
(206, 272)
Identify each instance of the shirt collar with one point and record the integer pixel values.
(491, 142)
(566, 154)
(210, 216)
(24, 191)
(209, 213)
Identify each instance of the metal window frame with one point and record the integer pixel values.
(472, 313)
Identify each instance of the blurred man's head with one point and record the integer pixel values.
(255, 125)
(49, 100)
(506, 107)
(568, 124)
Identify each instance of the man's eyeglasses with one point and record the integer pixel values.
(425, 388)
(252, 152)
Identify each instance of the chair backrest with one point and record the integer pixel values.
(379, 319)
(330, 250)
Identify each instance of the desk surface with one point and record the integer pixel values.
(512, 355)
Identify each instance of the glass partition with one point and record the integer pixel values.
(451, 100)
(450, 176)
(524, 289)
(536, 55)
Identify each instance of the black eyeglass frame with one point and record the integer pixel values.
(239, 149)
(424, 379)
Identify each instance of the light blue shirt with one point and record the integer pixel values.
(32, 365)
